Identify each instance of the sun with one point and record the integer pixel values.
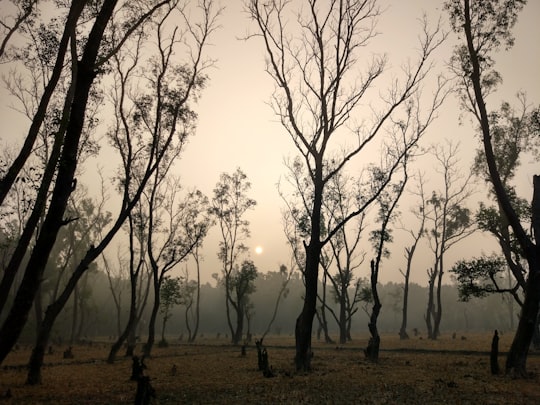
(258, 250)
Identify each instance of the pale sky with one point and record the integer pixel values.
(238, 129)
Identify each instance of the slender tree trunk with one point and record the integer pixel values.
(191, 336)
(276, 306)
(227, 307)
(372, 351)
(75, 317)
(152, 324)
(198, 301)
(164, 323)
(17, 317)
(324, 321)
(438, 313)
(130, 323)
(237, 337)
(404, 311)
(429, 310)
(38, 309)
(343, 330)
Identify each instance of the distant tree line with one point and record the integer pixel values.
(98, 323)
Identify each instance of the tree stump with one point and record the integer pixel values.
(145, 391)
(258, 344)
(68, 354)
(494, 354)
(267, 370)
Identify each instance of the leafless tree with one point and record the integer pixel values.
(449, 222)
(313, 56)
(345, 250)
(175, 228)
(420, 213)
(387, 203)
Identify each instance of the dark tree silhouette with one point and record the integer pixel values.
(312, 57)
(485, 27)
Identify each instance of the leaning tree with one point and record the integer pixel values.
(313, 56)
(484, 27)
(94, 56)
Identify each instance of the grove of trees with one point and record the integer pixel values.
(111, 254)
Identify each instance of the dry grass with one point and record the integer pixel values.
(452, 371)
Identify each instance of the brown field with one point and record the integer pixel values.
(446, 371)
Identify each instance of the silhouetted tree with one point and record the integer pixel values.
(229, 205)
(241, 285)
(344, 247)
(420, 213)
(485, 27)
(387, 202)
(312, 57)
(171, 295)
(449, 222)
(150, 157)
(64, 185)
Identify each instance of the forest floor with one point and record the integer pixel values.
(415, 371)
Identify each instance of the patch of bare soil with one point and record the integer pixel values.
(446, 371)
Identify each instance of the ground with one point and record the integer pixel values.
(417, 371)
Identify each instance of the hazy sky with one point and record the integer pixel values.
(237, 128)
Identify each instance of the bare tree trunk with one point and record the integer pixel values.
(324, 321)
(438, 313)
(430, 304)
(343, 320)
(198, 301)
(372, 351)
(38, 309)
(304, 322)
(237, 337)
(227, 308)
(517, 356)
(131, 323)
(276, 306)
(152, 324)
(75, 313)
(403, 335)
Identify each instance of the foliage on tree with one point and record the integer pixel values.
(479, 277)
(89, 48)
(228, 207)
(170, 296)
(485, 28)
